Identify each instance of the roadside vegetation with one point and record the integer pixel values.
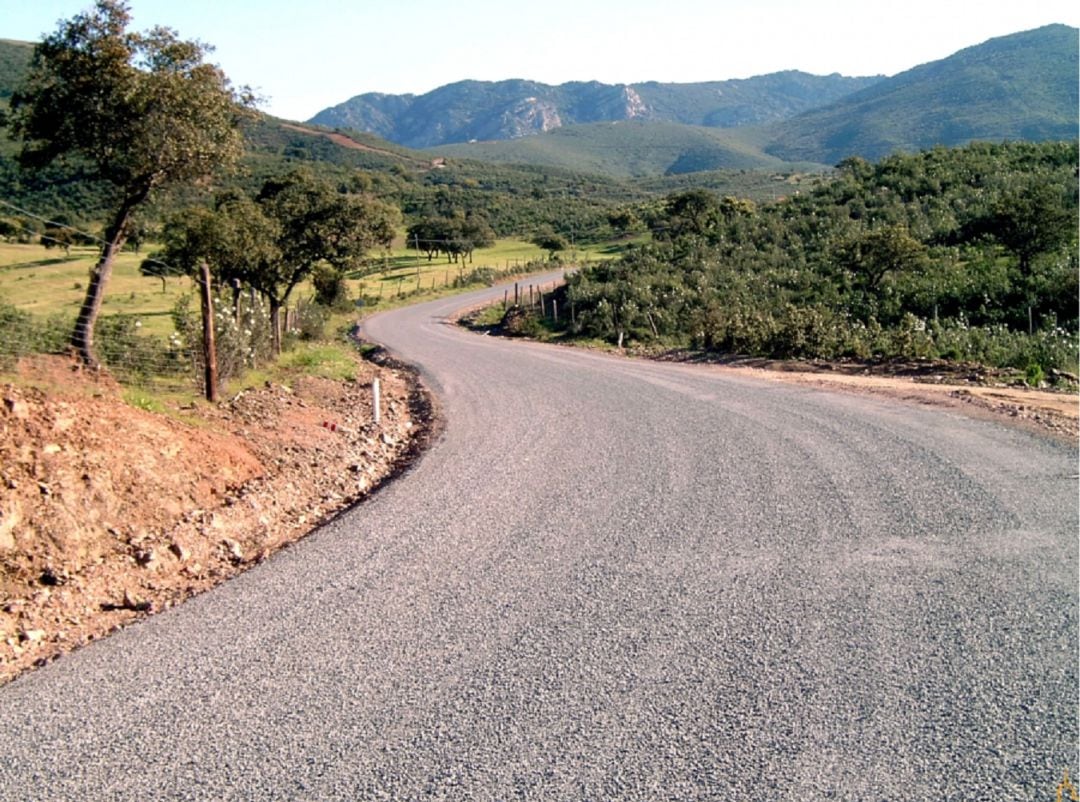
(117, 249)
(966, 254)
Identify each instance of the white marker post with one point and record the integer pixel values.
(375, 400)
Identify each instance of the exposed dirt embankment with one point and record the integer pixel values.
(973, 390)
(108, 512)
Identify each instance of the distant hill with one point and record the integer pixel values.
(629, 149)
(14, 59)
(1018, 87)
(499, 110)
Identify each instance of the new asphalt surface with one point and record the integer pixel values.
(612, 580)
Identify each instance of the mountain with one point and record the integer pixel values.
(1017, 87)
(486, 110)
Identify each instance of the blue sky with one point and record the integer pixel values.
(303, 56)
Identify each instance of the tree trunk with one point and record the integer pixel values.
(275, 325)
(82, 338)
(236, 300)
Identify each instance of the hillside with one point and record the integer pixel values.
(486, 110)
(14, 59)
(1018, 87)
(629, 149)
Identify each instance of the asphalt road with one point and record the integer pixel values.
(612, 580)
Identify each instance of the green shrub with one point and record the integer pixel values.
(241, 334)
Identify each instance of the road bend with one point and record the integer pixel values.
(612, 580)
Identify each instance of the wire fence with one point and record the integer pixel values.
(170, 355)
(143, 350)
(174, 361)
(132, 356)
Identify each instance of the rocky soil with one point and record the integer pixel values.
(109, 513)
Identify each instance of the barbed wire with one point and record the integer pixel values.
(27, 213)
(150, 259)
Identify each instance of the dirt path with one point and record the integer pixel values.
(348, 142)
(1035, 410)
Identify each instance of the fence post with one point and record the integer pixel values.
(209, 348)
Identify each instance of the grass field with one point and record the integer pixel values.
(46, 282)
(402, 271)
(50, 284)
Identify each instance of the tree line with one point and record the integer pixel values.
(952, 252)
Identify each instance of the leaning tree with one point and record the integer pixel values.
(142, 110)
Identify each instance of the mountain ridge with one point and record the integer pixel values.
(1018, 86)
(469, 110)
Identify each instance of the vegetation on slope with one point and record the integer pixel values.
(629, 149)
(1018, 87)
(497, 110)
(965, 253)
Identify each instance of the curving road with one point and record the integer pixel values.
(612, 580)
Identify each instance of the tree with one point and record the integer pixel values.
(192, 239)
(695, 212)
(475, 233)
(1030, 220)
(331, 289)
(871, 255)
(313, 223)
(141, 110)
(426, 235)
(139, 232)
(456, 235)
(550, 242)
(155, 266)
(58, 237)
(9, 229)
(624, 221)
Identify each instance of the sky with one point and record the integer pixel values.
(302, 56)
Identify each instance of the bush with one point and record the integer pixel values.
(24, 334)
(331, 289)
(311, 319)
(241, 335)
(518, 321)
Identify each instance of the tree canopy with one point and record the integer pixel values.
(966, 252)
(141, 111)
